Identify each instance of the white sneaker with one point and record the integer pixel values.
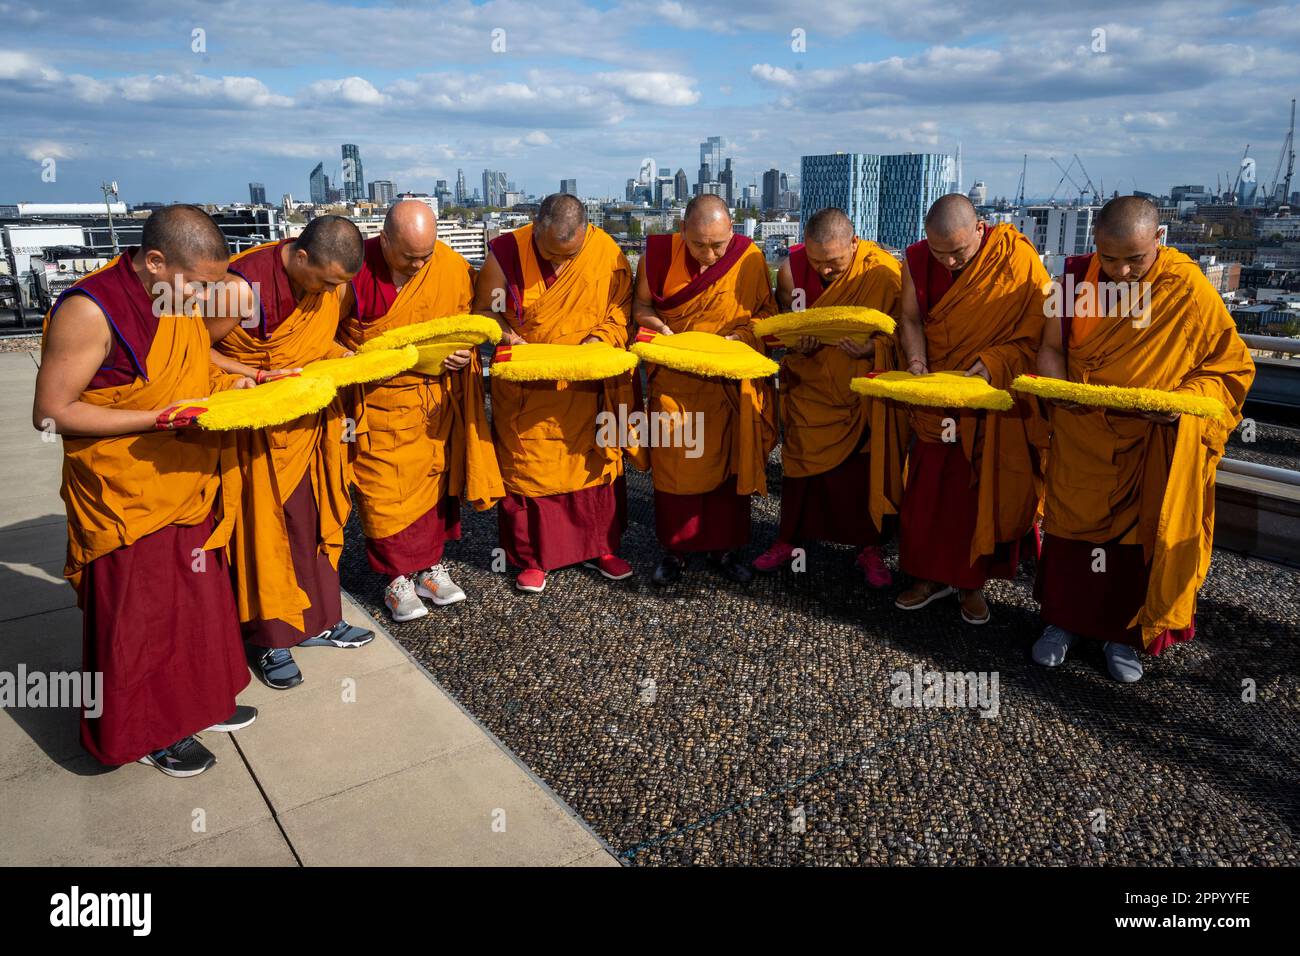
(1123, 662)
(1051, 648)
(400, 597)
(436, 584)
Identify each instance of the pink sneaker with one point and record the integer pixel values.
(780, 553)
(872, 562)
(611, 566)
(531, 579)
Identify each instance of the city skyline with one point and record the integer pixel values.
(586, 91)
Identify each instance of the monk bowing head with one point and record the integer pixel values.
(183, 255)
(327, 254)
(829, 243)
(409, 237)
(953, 231)
(706, 229)
(1125, 234)
(560, 228)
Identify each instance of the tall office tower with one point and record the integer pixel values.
(728, 180)
(442, 193)
(681, 186)
(909, 185)
(569, 187)
(772, 188)
(461, 195)
(320, 186)
(711, 156)
(494, 187)
(665, 189)
(354, 179)
(847, 181)
(256, 194)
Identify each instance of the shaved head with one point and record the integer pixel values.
(410, 237)
(185, 235)
(329, 252)
(828, 227)
(332, 240)
(707, 207)
(952, 231)
(1126, 236)
(1127, 216)
(950, 216)
(707, 229)
(562, 217)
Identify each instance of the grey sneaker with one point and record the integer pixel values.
(1051, 648)
(402, 602)
(1122, 662)
(436, 584)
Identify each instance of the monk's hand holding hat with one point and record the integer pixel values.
(180, 414)
(807, 344)
(456, 360)
(1160, 417)
(918, 366)
(265, 375)
(980, 369)
(857, 350)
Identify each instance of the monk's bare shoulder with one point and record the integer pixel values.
(78, 324)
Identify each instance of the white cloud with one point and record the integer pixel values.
(659, 89)
(353, 90)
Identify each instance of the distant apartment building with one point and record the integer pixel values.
(846, 181)
(786, 231)
(469, 241)
(382, 192)
(1287, 227)
(430, 201)
(886, 196)
(569, 187)
(1064, 230)
(256, 194)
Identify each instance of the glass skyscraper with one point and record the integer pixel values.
(886, 197)
(848, 181)
(354, 180)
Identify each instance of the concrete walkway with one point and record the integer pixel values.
(368, 762)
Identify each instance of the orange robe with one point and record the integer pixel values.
(1139, 492)
(289, 535)
(841, 453)
(148, 518)
(565, 500)
(422, 441)
(703, 503)
(970, 500)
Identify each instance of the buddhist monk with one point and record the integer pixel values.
(1129, 507)
(149, 509)
(559, 280)
(286, 544)
(841, 452)
(707, 279)
(422, 441)
(972, 302)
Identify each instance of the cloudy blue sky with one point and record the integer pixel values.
(586, 89)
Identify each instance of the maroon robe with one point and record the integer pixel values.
(1070, 595)
(164, 635)
(717, 520)
(940, 505)
(834, 505)
(264, 271)
(554, 531)
(420, 544)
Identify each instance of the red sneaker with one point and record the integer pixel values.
(531, 579)
(611, 566)
(780, 553)
(872, 562)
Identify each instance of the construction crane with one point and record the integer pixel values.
(1288, 154)
(1065, 174)
(1020, 190)
(1087, 181)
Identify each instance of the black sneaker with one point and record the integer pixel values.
(241, 718)
(185, 758)
(668, 570)
(276, 667)
(732, 567)
(341, 634)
